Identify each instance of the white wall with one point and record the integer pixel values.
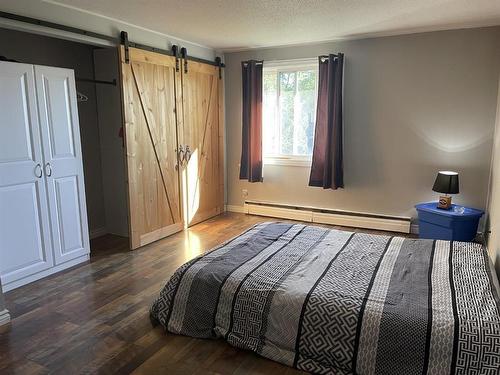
(494, 196)
(53, 12)
(414, 104)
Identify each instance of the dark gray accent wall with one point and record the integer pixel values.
(42, 50)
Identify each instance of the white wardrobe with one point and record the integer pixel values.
(43, 215)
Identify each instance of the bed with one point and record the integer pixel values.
(335, 302)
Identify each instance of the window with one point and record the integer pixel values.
(289, 111)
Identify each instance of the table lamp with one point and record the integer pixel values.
(447, 183)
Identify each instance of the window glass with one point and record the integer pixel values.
(289, 111)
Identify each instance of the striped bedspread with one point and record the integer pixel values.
(335, 302)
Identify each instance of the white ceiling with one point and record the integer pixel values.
(241, 24)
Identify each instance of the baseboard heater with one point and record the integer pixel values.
(329, 216)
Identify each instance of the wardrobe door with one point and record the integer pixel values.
(149, 81)
(63, 169)
(201, 133)
(25, 246)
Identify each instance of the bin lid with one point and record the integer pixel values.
(432, 207)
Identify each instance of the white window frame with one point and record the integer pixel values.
(283, 66)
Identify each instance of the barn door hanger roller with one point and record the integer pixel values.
(184, 53)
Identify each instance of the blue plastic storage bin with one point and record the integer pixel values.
(435, 223)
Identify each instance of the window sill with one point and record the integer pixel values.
(291, 162)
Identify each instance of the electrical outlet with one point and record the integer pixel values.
(244, 193)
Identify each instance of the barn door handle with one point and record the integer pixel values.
(188, 154)
(48, 170)
(180, 155)
(38, 170)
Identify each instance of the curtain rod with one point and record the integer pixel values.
(257, 62)
(115, 40)
(326, 57)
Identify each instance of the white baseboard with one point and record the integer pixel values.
(414, 229)
(335, 217)
(362, 222)
(233, 208)
(4, 317)
(279, 212)
(97, 232)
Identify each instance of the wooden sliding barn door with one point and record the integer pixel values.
(201, 134)
(149, 82)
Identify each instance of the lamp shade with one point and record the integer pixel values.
(446, 182)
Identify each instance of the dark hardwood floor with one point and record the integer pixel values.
(94, 317)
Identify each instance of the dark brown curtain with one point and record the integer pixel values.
(327, 169)
(251, 145)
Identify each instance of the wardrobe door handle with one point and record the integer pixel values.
(38, 170)
(48, 170)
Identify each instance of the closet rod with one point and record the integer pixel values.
(113, 82)
(76, 30)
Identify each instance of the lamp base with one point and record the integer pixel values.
(444, 202)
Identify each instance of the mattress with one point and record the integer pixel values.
(335, 302)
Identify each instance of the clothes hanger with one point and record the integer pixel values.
(81, 97)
